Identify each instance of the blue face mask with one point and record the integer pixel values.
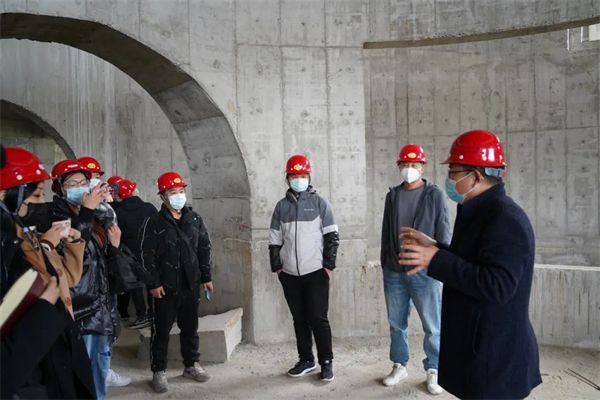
(452, 192)
(177, 201)
(75, 195)
(299, 184)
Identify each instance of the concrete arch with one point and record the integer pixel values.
(197, 120)
(221, 190)
(8, 108)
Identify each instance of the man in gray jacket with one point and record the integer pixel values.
(422, 205)
(303, 243)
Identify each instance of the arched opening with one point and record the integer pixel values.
(221, 191)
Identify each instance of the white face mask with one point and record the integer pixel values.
(409, 175)
(299, 184)
(94, 182)
(177, 201)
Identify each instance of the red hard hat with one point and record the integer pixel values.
(91, 164)
(412, 153)
(66, 167)
(114, 179)
(298, 165)
(478, 148)
(126, 188)
(22, 167)
(170, 180)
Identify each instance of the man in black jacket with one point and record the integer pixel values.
(488, 348)
(176, 254)
(132, 213)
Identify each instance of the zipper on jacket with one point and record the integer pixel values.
(296, 237)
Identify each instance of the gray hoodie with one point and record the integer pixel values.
(432, 218)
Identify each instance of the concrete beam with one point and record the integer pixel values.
(478, 37)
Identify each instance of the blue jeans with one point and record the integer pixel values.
(98, 348)
(426, 295)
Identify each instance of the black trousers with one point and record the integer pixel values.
(139, 302)
(308, 299)
(182, 307)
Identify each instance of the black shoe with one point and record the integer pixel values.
(302, 368)
(327, 371)
(140, 323)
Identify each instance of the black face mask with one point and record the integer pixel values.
(38, 215)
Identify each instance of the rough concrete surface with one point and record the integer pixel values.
(258, 372)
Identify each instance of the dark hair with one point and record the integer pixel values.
(12, 195)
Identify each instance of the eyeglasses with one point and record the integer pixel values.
(450, 173)
(75, 184)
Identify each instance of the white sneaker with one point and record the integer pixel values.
(398, 373)
(432, 383)
(114, 379)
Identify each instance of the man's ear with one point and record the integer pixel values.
(479, 176)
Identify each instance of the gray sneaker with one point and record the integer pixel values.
(196, 372)
(159, 382)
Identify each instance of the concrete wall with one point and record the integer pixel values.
(542, 100)
(291, 77)
(96, 108)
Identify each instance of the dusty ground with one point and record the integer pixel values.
(258, 372)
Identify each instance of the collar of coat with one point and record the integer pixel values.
(186, 212)
(473, 205)
(296, 197)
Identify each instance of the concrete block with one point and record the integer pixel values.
(475, 91)
(259, 95)
(582, 182)
(582, 94)
(447, 89)
(549, 85)
(565, 306)
(166, 29)
(352, 251)
(382, 77)
(123, 15)
(219, 335)
(346, 129)
(551, 180)
(379, 20)
(305, 110)
(212, 53)
(347, 22)
(455, 15)
(521, 172)
(420, 93)
(63, 8)
(271, 316)
(303, 23)
(257, 22)
(14, 6)
(520, 87)
(412, 18)
(401, 93)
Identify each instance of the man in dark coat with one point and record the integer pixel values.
(488, 347)
(176, 255)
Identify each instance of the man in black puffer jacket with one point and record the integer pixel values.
(176, 255)
(132, 213)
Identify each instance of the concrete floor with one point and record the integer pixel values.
(257, 372)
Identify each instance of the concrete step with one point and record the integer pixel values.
(219, 335)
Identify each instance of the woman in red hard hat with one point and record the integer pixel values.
(488, 347)
(303, 243)
(176, 252)
(42, 354)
